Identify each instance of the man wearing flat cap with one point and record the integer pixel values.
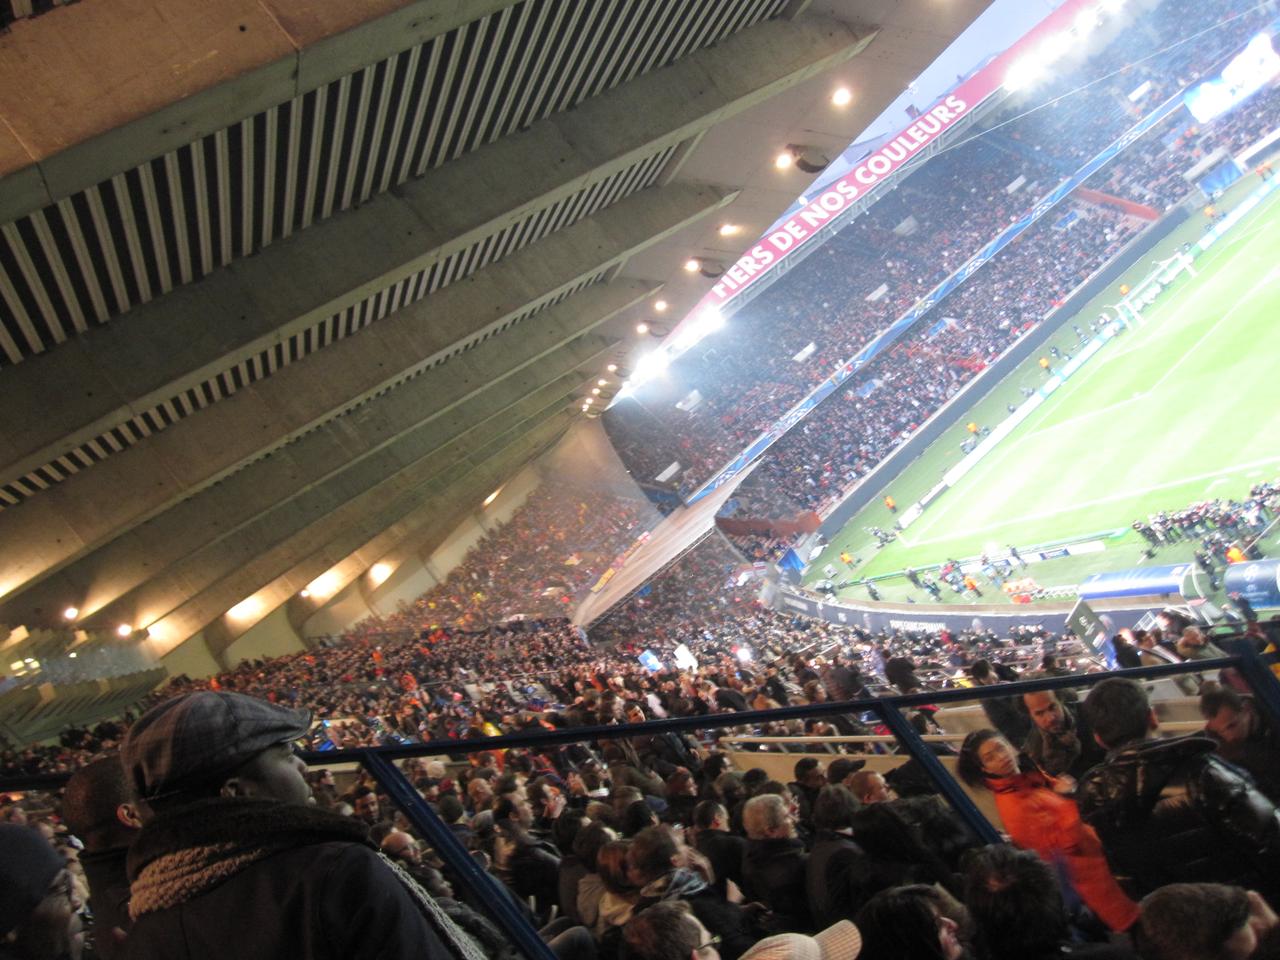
(233, 860)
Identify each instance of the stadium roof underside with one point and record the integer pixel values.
(287, 288)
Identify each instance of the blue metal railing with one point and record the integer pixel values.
(485, 888)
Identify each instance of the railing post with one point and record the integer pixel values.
(486, 888)
(946, 784)
(1263, 683)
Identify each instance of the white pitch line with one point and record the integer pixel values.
(1270, 276)
(1081, 504)
(1049, 428)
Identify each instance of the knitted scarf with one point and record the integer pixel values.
(188, 851)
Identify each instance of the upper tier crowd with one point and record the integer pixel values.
(876, 267)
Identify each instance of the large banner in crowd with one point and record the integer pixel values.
(931, 299)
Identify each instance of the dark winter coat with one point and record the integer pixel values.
(258, 880)
(1171, 811)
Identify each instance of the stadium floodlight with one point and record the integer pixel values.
(1087, 21)
(711, 320)
(650, 365)
(1022, 74)
(1055, 47)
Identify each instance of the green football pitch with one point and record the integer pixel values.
(1184, 407)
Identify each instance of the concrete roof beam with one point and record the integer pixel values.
(210, 535)
(274, 574)
(193, 333)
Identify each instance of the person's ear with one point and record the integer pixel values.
(234, 787)
(1153, 722)
(128, 815)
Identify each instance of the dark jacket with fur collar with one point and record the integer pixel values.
(258, 880)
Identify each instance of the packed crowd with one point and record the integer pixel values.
(649, 846)
(536, 564)
(422, 682)
(836, 300)
(885, 403)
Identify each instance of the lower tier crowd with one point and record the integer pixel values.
(202, 830)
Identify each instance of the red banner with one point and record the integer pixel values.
(923, 130)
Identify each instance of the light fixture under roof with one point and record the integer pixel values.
(70, 613)
(660, 306)
(842, 96)
(730, 229)
(693, 265)
(124, 630)
(246, 609)
(805, 158)
(642, 328)
(612, 368)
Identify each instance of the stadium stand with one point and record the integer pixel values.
(883, 261)
(943, 816)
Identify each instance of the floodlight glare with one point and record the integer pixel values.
(1055, 46)
(1087, 21)
(842, 97)
(1022, 74)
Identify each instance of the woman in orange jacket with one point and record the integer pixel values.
(1038, 816)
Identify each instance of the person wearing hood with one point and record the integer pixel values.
(1171, 810)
